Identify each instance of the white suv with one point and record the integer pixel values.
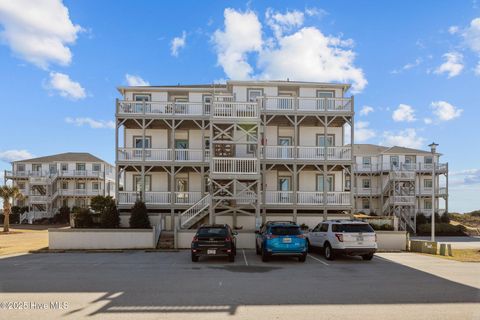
(354, 238)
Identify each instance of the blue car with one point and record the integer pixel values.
(281, 238)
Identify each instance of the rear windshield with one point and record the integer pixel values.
(285, 230)
(354, 227)
(207, 232)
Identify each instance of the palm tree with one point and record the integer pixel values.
(8, 193)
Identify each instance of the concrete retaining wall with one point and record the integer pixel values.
(391, 240)
(99, 239)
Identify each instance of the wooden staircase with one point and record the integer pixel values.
(166, 240)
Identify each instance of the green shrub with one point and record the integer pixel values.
(63, 215)
(385, 226)
(444, 218)
(441, 229)
(110, 217)
(18, 210)
(14, 218)
(139, 216)
(83, 219)
(421, 219)
(99, 203)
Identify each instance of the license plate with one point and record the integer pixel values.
(287, 240)
(359, 238)
(211, 251)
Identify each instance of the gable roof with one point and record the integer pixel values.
(67, 156)
(372, 149)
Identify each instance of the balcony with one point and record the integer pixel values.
(419, 166)
(316, 198)
(302, 104)
(159, 155)
(234, 166)
(228, 110)
(366, 191)
(38, 199)
(442, 191)
(279, 197)
(159, 197)
(428, 212)
(322, 153)
(79, 173)
(79, 192)
(163, 108)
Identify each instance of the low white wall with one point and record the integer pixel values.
(60, 239)
(391, 240)
(245, 240)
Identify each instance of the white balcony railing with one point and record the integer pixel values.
(332, 153)
(138, 154)
(79, 192)
(279, 152)
(38, 199)
(307, 104)
(187, 197)
(163, 108)
(227, 109)
(159, 197)
(234, 166)
(316, 198)
(367, 191)
(311, 153)
(402, 200)
(279, 197)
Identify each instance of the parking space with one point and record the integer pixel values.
(168, 285)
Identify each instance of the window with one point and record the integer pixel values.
(207, 103)
(320, 185)
(366, 184)
(427, 183)
(367, 161)
(141, 97)
(366, 204)
(284, 183)
(394, 161)
(325, 101)
(137, 183)
(64, 185)
(95, 186)
(321, 140)
(80, 185)
(80, 167)
(139, 143)
(20, 167)
(207, 143)
(96, 167)
(348, 183)
(427, 204)
(325, 94)
(52, 168)
(428, 160)
(410, 159)
(324, 227)
(181, 187)
(36, 167)
(254, 94)
(64, 166)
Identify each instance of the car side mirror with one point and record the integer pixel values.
(234, 233)
(257, 231)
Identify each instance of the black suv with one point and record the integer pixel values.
(214, 240)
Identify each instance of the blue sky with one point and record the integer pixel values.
(415, 67)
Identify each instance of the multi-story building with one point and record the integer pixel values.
(65, 179)
(397, 181)
(239, 153)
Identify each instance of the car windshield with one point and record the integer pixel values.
(354, 227)
(285, 230)
(212, 232)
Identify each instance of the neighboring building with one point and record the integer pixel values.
(65, 179)
(204, 153)
(398, 181)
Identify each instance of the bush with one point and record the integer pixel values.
(14, 218)
(445, 218)
(385, 226)
(18, 210)
(441, 229)
(110, 217)
(139, 216)
(475, 213)
(99, 203)
(63, 215)
(83, 219)
(421, 219)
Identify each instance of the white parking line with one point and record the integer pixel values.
(245, 257)
(321, 261)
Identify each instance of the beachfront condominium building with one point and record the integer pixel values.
(66, 179)
(398, 181)
(239, 153)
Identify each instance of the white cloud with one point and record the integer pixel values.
(14, 155)
(366, 110)
(178, 43)
(65, 86)
(477, 69)
(408, 66)
(453, 64)
(404, 138)
(471, 35)
(363, 132)
(311, 12)
(404, 112)
(242, 34)
(444, 111)
(281, 23)
(453, 29)
(38, 31)
(136, 81)
(427, 120)
(303, 54)
(95, 124)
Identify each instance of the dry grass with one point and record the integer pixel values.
(464, 255)
(22, 239)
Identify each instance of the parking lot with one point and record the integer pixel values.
(167, 285)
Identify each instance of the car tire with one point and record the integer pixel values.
(231, 258)
(257, 249)
(265, 256)
(367, 257)
(328, 252)
(309, 247)
(194, 258)
(302, 258)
